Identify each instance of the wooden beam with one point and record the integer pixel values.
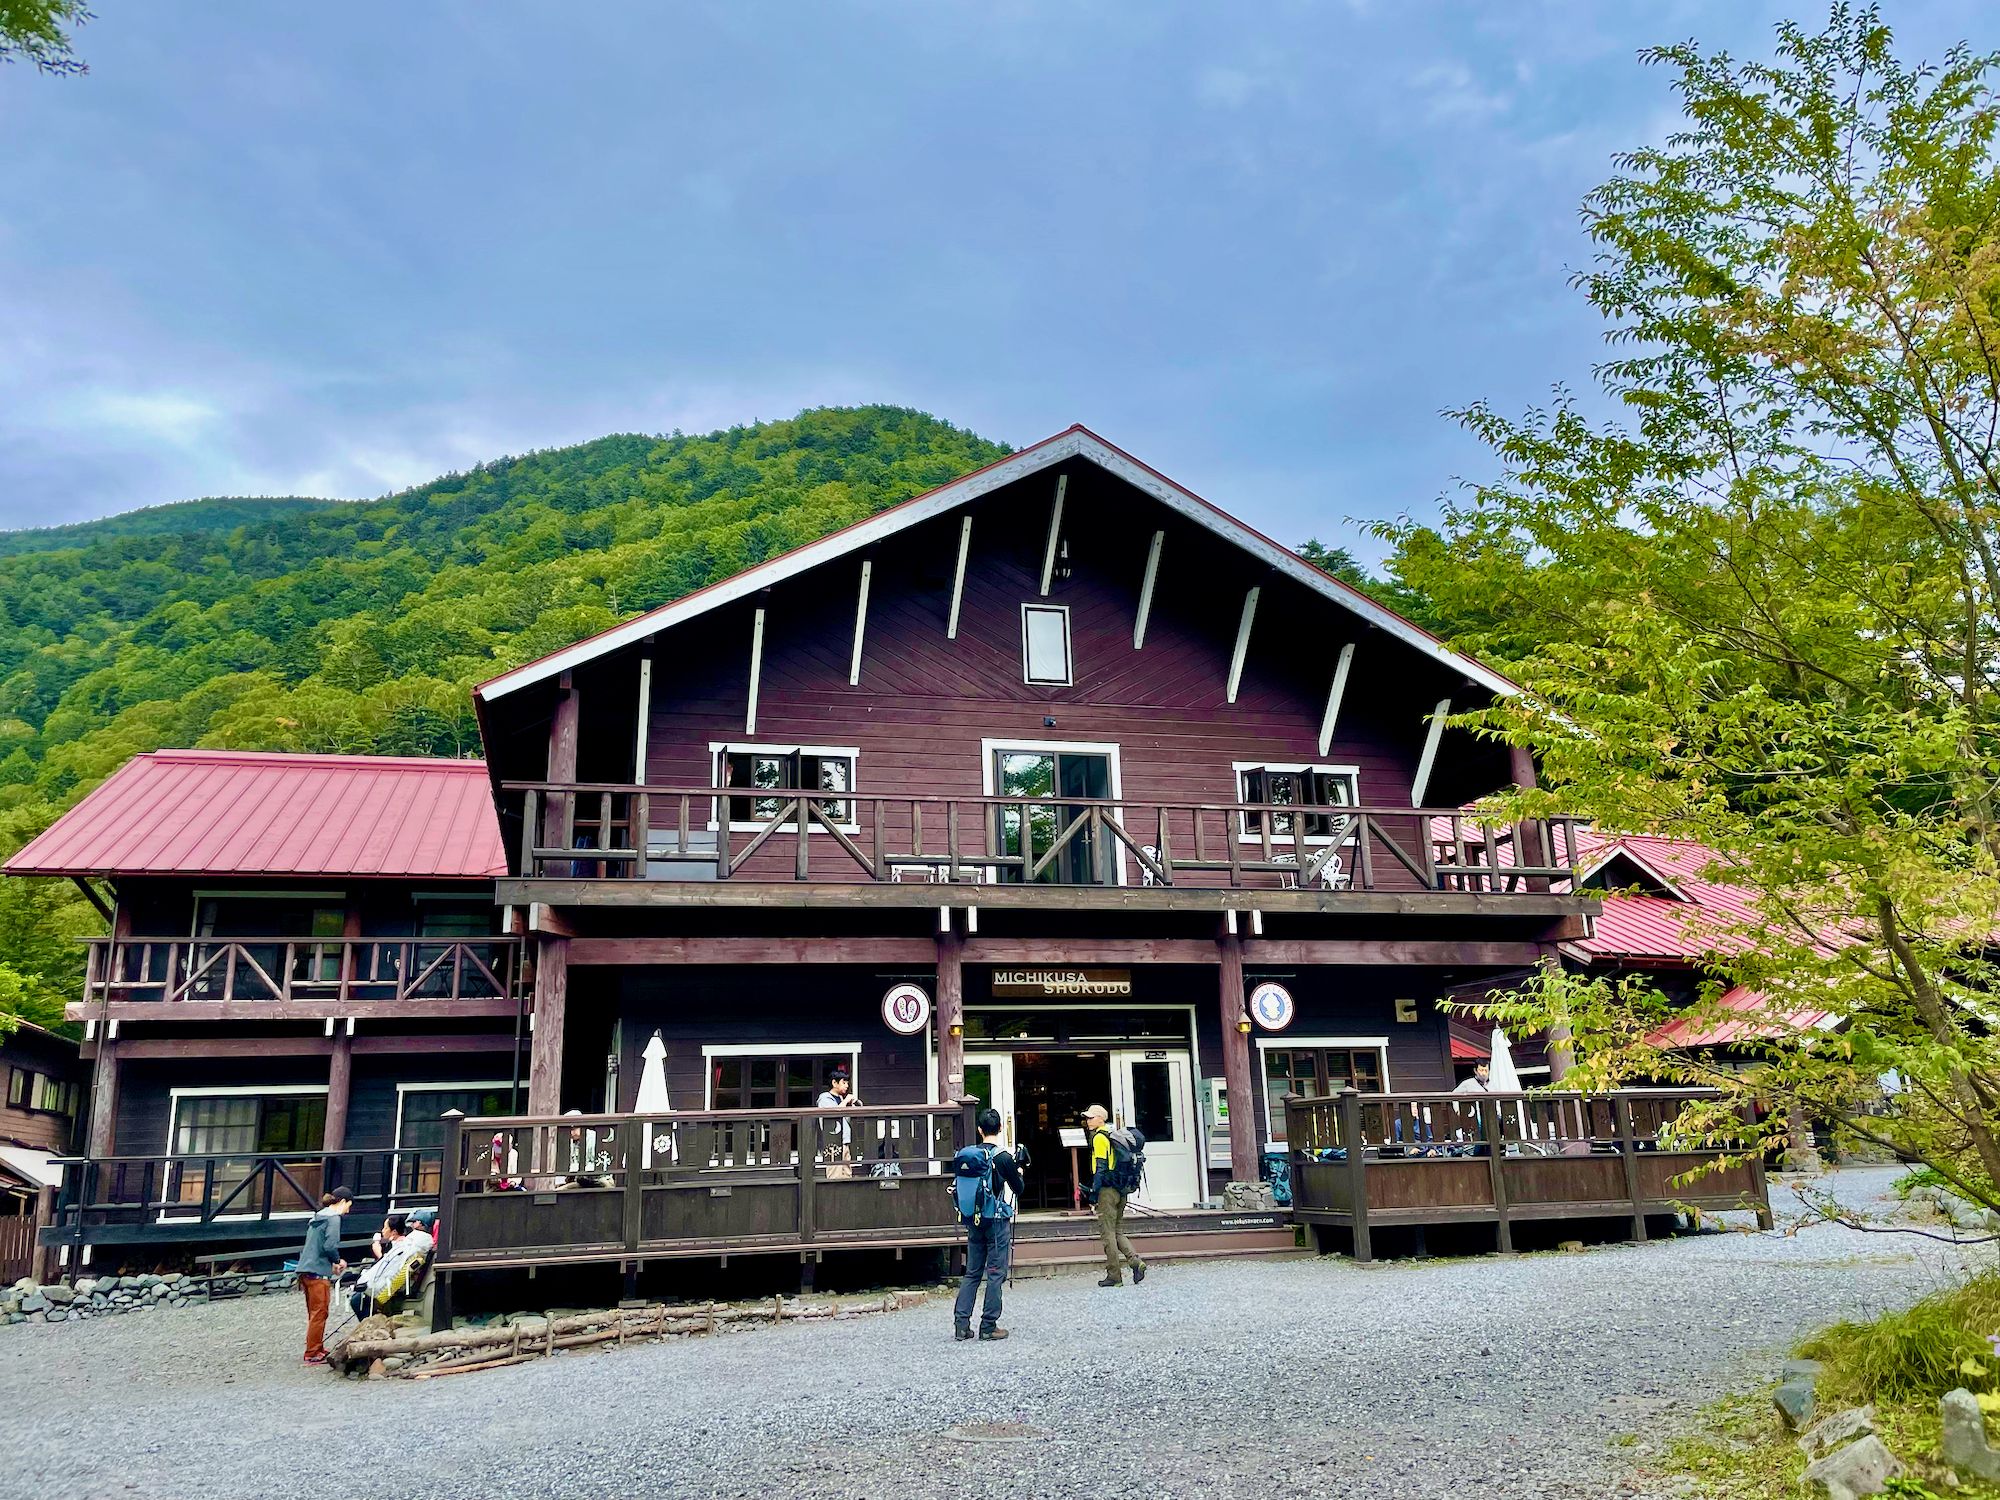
(645, 719)
(1264, 952)
(493, 1042)
(367, 1044)
(756, 669)
(1242, 642)
(1422, 783)
(722, 950)
(1055, 535)
(1236, 1060)
(231, 1011)
(1146, 590)
(339, 1086)
(564, 726)
(950, 1016)
(860, 624)
(90, 895)
(1086, 951)
(1333, 696)
(958, 578)
(796, 895)
(545, 1055)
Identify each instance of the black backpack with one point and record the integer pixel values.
(1128, 1158)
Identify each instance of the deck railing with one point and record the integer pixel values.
(1365, 1161)
(587, 830)
(290, 969)
(626, 1188)
(139, 1199)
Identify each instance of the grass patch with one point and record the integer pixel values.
(1738, 1449)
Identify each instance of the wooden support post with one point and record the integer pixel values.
(951, 1015)
(103, 1094)
(448, 1169)
(1493, 1125)
(756, 671)
(860, 624)
(1055, 535)
(1354, 1143)
(1758, 1184)
(1236, 1060)
(339, 1085)
(545, 1055)
(635, 1184)
(645, 715)
(1529, 835)
(1562, 1056)
(807, 1132)
(958, 579)
(559, 811)
(1621, 1112)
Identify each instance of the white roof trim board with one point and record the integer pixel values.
(1076, 442)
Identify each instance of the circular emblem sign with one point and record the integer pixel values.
(906, 1009)
(1272, 1005)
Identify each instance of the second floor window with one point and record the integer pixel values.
(773, 769)
(1303, 787)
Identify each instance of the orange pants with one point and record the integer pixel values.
(319, 1293)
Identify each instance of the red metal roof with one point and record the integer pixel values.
(217, 812)
(1749, 1016)
(1463, 1050)
(1658, 927)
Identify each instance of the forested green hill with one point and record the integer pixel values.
(204, 516)
(289, 625)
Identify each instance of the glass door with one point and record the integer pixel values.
(1032, 828)
(1152, 1089)
(990, 1080)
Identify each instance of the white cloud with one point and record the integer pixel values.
(148, 416)
(1452, 94)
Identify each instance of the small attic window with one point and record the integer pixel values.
(1045, 656)
(1623, 873)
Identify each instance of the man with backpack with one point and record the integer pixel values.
(1117, 1166)
(981, 1177)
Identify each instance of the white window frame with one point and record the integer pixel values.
(717, 749)
(1068, 679)
(403, 1090)
(1378, 1044)
(850, 1050)
(234, 1091)
(1315, 768)
(988, 748)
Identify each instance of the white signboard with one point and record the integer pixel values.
(1272, 1005)
(906, 1009)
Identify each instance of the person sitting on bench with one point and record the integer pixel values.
(402, 1250)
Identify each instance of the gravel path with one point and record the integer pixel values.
(1305, 1376)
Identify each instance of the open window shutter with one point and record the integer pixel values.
(1256, 788)
(1325, 789)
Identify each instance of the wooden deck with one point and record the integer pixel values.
(1362, 1163)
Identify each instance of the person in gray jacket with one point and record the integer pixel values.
(319, 1263)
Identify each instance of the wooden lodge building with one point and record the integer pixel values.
(1055, 785)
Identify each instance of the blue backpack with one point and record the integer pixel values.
(972, 1186)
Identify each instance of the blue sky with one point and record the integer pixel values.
(339, 249)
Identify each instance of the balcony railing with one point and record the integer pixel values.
(580, 830)
(359, 970)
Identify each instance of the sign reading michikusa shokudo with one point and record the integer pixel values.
(906, 1009)
(1061, 984)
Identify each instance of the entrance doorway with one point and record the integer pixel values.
(1040, 1094)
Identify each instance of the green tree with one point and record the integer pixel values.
(39, 30)
(1761, 610)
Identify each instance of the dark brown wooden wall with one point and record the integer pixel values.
(924, 703)
(54, 1057)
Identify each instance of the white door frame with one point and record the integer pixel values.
(1002, 1064)
(1186, 1144)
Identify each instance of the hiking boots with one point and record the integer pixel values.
(1138, 1273)
(1112, 1281)
(987, 1334)
(962, 1331)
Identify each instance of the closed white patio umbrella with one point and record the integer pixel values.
(1502, 1077)
(652, 1098)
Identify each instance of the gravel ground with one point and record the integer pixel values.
(1497, 1377)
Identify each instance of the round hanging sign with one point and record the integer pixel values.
(906, 1009)
(1272, 1005)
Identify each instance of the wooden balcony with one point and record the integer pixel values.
(250, 1197)
(306, 978)
(621, 1190)
(584, 835)
(1366, 1162)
